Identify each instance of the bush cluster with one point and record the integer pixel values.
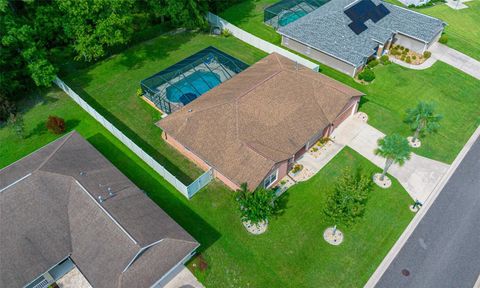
(443, 39)
(373, 63)
(367, 75)
(427, 54)
(56, 125)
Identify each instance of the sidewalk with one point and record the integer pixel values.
(456, 59)
(418, 176)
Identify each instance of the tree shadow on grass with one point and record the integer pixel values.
(162, 193)
(172, 168)
(239, 13)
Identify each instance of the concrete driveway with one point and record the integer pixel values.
(418, 176)
(456, 59)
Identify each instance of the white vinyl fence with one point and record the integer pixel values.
(187, 191)
(261, 44)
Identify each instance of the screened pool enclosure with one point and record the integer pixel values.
(286, 11)
(186, 80)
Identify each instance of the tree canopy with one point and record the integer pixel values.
(348, 201)
(395, 149)
(423, 118)
(36, 36)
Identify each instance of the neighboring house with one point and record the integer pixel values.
(66, 206)
(345, 34)
(251, 128)
(414, 2)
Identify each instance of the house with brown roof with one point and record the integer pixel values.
(66, 207)
(254, 126)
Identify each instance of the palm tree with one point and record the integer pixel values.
(423, 118)
(395, 149)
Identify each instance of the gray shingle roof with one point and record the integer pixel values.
(53, 213)
(326, 29)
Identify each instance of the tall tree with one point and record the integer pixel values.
(423, 118)
(395, 149)
(95, 25)
(187, 13)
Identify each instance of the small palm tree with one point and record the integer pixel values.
(395, 149)
(423, 118)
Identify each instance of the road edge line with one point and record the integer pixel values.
(373, 280)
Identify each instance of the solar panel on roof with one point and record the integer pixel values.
(363, 11)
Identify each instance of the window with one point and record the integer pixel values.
(270, 179)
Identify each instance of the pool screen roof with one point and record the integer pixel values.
(287, 11)
(209, 60)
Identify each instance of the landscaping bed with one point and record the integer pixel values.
(408, 56)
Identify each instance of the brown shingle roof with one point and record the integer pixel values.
(53, 213)
(260, 117)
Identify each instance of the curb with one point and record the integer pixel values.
(418, 217)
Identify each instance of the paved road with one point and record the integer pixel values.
(444, 249)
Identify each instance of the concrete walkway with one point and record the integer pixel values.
(457, 5)
(456, 59)
(425, 65)
(418, 176)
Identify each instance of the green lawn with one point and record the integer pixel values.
(463, 27)
(291, 254)
(396, 88)
(110, 87)
(248, 15)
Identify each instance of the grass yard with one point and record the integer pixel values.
(248, 15)
(463, 27)
(110, 87)
(291, 254)
(396, 88)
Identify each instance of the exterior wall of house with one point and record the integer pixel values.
(350, 109)
(197, 160)
(410, 43)
(319, 56)
(435, 40)
(187, 153)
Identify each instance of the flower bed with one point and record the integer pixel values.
(408, 56)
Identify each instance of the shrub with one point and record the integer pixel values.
(427, 54)
(407, 50)
(348, 201)
(384, 59)
(414, 57)
(15, 122)
(314, 149)
(443, 39)
(256, 206)
(408, 60)
(372, 63)
(139, 92)
(226, 33)
(401, 48)
(367, 75)
(56, 125)
(402, 58)
(296, 168)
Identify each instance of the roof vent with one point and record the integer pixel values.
(190, 110)
(83, 173)
(110, 192)
(100, 198)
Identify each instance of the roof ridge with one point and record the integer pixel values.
(54, 151)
